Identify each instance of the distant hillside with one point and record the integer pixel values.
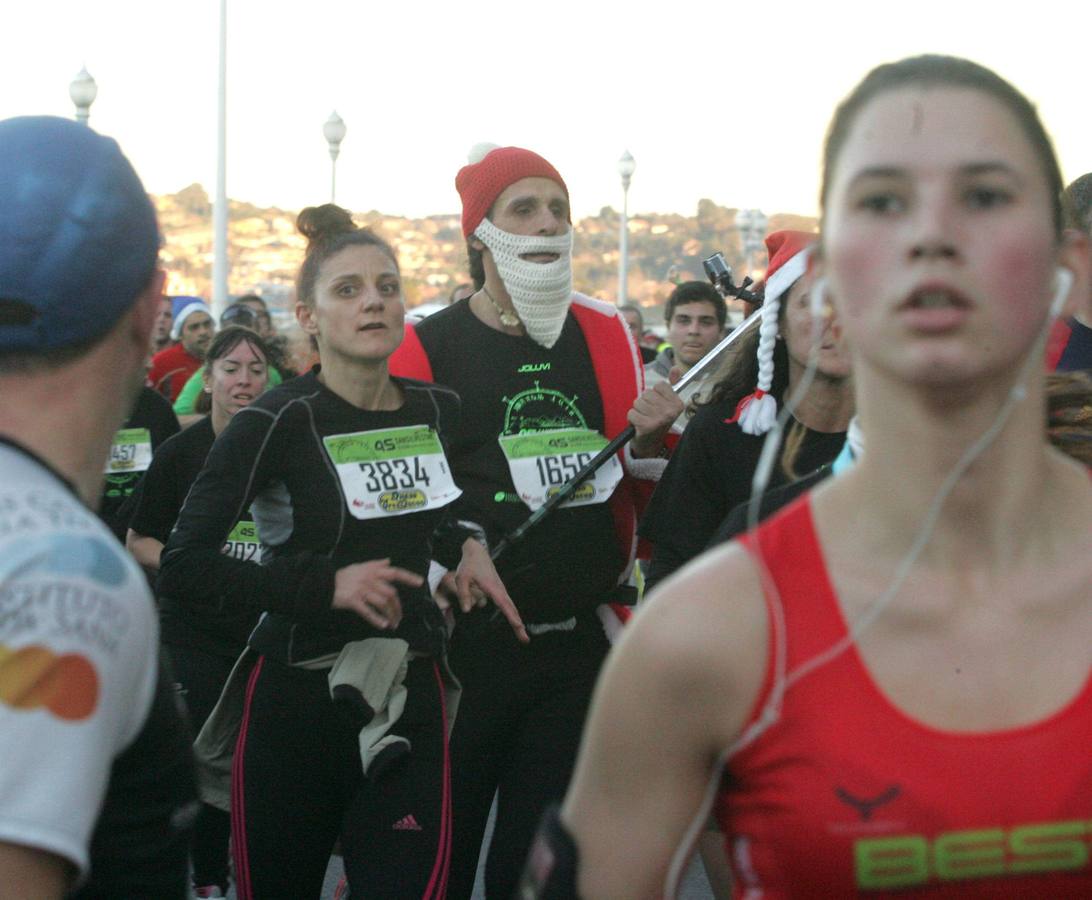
(265, 250)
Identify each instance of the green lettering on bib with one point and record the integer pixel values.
(243, 542)
(383, 444)
(244, 532)
(552, 443)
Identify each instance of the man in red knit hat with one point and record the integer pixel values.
(547, 377)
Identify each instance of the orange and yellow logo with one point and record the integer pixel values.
(32, 677)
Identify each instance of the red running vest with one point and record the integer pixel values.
(846, 795)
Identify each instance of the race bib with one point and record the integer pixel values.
(243, 542)
(392, 471)
(130, 452)
(542, 461)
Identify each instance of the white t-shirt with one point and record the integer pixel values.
(78, 659)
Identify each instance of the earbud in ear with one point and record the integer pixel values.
(1063, 283)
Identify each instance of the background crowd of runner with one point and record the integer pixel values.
(297, 541)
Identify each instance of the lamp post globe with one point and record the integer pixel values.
(83, 90)
(626, 166)
(334, 131)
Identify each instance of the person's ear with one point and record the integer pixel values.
(305, 315)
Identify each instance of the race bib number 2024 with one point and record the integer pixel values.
(243, 542)
(392, 471)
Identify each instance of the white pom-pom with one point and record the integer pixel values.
(758, 414)
(480, 151)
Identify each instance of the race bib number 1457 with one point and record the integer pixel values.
(131, 451)
(392, 471)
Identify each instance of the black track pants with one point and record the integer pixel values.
(201, 676)
(517, 733)
(297, 785)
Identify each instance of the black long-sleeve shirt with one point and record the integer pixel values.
(277, 457)
(708, 476)
(156, 504)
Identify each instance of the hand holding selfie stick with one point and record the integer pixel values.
(721, 275)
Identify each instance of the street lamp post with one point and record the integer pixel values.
(83, 92)
(220, 206)
(334, 132)
(626, 166)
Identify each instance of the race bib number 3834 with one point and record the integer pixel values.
(542, 461)
(392, 471)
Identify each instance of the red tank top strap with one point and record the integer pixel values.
(789, 559)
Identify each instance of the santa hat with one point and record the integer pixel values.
(183, 308)
(489, 171)
(179, 303)
(788, 252)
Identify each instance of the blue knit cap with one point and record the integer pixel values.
(78, 235)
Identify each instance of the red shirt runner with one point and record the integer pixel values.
(846, 795)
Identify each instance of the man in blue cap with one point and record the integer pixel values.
(96, 784)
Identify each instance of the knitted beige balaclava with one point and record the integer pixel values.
(540, 292)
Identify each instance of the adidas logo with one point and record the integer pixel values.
(409, 823)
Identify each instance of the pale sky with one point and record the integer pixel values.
(723, 100)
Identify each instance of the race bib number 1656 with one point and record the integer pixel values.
(541, 462)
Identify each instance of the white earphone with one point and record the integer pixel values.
(818, 297)
(1063, 283)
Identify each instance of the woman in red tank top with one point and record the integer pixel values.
(894, 674)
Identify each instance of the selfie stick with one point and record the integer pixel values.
(569, 488)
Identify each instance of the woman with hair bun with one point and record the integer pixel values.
(345, 708)
(886, 688)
